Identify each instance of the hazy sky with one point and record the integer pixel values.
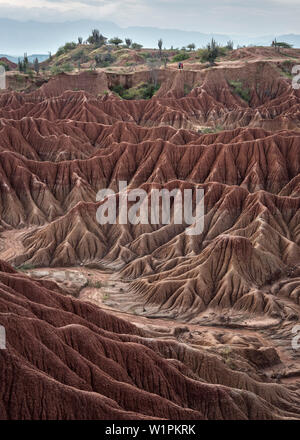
(252, 17)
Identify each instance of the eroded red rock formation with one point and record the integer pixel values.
(70, 360)
(63, 143)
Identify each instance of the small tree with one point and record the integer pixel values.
(104, 60)
(36, 66)
(284, 45)
(191, 46)
(229, 45)
(96, 38)
(165, 60)
(160, 44)
(211, 52)
(70, 45)
(79, 40)
(128, 42)
(275, 45)
(25, 61)
(98, 59)
(23, 65)
(136, 46)
(50, 56)
(116, 41)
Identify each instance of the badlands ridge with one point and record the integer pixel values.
(189, 327)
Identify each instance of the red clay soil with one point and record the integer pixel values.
(72, 137)
(66, 359)
(257, 53)
(58, 152)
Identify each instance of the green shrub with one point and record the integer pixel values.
(60, 51)
(66, 48)
(104, 60)
(149, 90)
(222, 51)
(180, 57)
(239, 90)
(67, 67)
(230, 45)
(211, 130)
(146, 55)
(136, 46)
(55, 70)
(191, 46)
(96, 38)
(25, 266)
(187, 89)
(79, 55)
(6, 66)
(286, 68)
(211, 53)
(143, 91)
(119, 89)
(115, 41)
(284, 45)
(70, 46)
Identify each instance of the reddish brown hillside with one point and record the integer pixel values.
(10, 64)
(231, 130)
(70, 360)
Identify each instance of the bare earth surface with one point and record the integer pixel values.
(138, 321)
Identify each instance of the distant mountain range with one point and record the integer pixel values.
(36, 37)
(31, 58)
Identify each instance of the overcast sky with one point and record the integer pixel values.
(252, 17)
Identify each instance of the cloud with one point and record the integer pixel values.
(223, 16)
(49, 10)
